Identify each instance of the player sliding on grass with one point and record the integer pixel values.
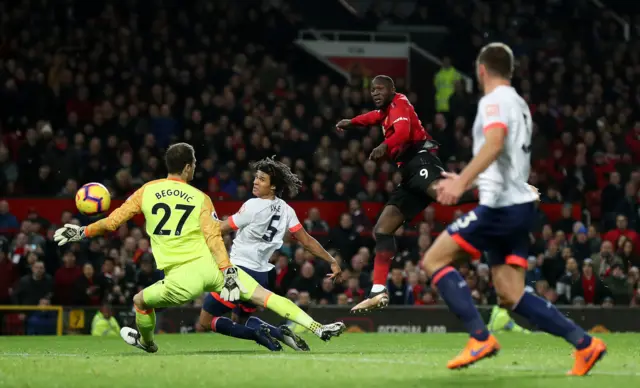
(188, 246)
(262, 223)
(500, 225)
(411, 147)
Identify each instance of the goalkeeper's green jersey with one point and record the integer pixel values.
(179, 219)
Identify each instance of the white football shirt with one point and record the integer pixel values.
(261, 225)
(504, 182)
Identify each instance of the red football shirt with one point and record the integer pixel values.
(400, 125)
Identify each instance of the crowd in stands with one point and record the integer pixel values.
(94, 92)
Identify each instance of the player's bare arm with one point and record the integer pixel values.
(313, 246)
(225, 227)
(73, 233)
(343, 124)
(450, 189)
(379, 152)
(370, 118)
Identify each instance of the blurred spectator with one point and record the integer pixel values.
(306, 281)
(8, 171)
(360, 220)
(314, 223)
(621, 229)
(344, 238)
(533, 274)
(104, 323)
(568, 281)
(31, 288)
(607, 302)
(565, 224)
(8, 272)
(65, 279)
(628, 206)
(354, 292)
(552, 195)
(371, 192)
(284, 274)
(7, 220)
(399, 291)
(358, 271)
(88, 288)
(580, 247)
(430, 219)
(326, 294)
(444, 81)
(553, 266)
(619, 289)
(612, 194)
(605, 259)
(147, 275)
(416, 288)
(628, 255)
(594, 239)
(342, 299)
(42, 322)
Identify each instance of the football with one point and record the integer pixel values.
(93, 199)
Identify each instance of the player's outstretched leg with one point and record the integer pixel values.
(211, 319)
(455, 292)
(142, 338)
(286, 308)
(282, 333)
(509, 284)
(388, 222)
(260, 334)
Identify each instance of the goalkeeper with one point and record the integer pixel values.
(187, 245)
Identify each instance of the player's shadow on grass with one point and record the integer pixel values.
(346, 352)
(473, 378)
(198, 352)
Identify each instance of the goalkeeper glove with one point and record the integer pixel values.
(232, 286)
(69, 233)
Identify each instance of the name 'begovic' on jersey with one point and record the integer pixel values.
(504, 182)
(261, 225)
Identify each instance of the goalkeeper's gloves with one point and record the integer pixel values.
(232, 286)
(69, 233)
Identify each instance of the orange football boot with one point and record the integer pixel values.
(587, 357)
(474, 352)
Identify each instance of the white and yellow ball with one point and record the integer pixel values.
(93, 199)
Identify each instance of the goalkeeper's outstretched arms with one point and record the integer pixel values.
(72, 233)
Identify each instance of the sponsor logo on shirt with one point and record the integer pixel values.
(492, 110)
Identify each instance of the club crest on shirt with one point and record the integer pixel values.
(492, 110)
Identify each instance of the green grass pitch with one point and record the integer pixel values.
(353, 360)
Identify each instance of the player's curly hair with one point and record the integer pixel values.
(280, 174)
